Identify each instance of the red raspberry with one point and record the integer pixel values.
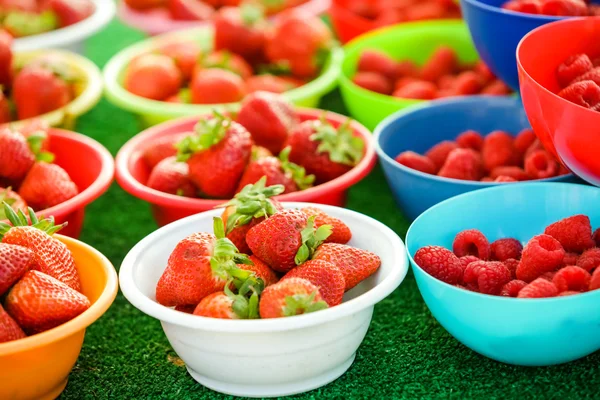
(471, 242)
(535, 146)
(595, 281)
(407, 68)
(523, 140)
(373, 81)
(541, 254)
(470, 140)
(590, 259)
(512, 265)
(548, 275)
(596, 237)
(585, 94)
(498, 150)
(537, 289)
(503, 249)
(442, 62)
(440, 151)
(467, 83)
(462, 164)
(570, 259)
(572, 8)
(572, 278)
(446, 82)
(419, 90)
(489, 276)
(440, 263)
(378, 62)
(591, 75)
(573, 67)
(568, 293)
(504, 179)
(417, 162)
(541, 165)
(466, 260)
(484, 72)
(516, 173)
(512, 288)
(574, 233)
(486, 179)
(524, 6)
(496, 88)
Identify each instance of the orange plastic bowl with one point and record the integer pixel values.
(38, 366)
(568, 130)
(132, 172)
(89, 165)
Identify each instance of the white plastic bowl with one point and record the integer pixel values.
(71, 37)
(270, 357)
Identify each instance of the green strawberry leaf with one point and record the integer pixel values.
(341, 145)
(311, 239)
(295, 171)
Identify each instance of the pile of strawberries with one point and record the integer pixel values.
(27, 175)
(32, 17)
(202, 10)
(222, 156)
(441, 76)
(497, 157)
(249, 54)
(567, 8)
(299, 261)
(562, 261)
(579, 79)
(39, 283)
(391, 12)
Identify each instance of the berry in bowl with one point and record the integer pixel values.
(52, 289)
(520, 283)
(561, 94)
(57, 172)
(314, 291)
(196, 71)
(453, 146)
(316, 155)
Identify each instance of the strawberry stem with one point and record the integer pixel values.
(207, 133)
(19, 219)
(311, 239)
(302, 304)
(295, 171)
(35, 142)
(343, 147)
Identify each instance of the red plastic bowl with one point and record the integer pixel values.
(89, 165)
(157, 21)
(348, 25)
(571, 132)
(132, 172)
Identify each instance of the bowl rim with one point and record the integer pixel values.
(489, 296)
(118, 95)
(103, 13)
(571, 20)
(80, 322)
(86, 100)
(383, 125)
(168, 315)
(137, 189)
(538, 17)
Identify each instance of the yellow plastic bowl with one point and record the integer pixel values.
(38, 366)
(88, 90)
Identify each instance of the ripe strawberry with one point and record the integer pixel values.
(19, 5)
(220, 146)
(341, 233)
(6, 112)
(172, 176)
(269, 118)
(70, 12)
(259, 152)
(162, 148)
(14, 262)
(356, 264)
(226, 60)
(200, 264)
(323, 150)
(153, 76)
(374, 82)
(5, 59)
(241, 30)
(47, 185)
(270, 83)
(39, 302)
(419, 90)
(286, 239)
(249, 207)
(35, 131)
(184, 54)
(189, 10)
(216, 86)
(16, 158)
(145, 4)
(13, 199)
(378, 62)
(216, 305)
(261, 270)
(293, 296)
(300, 41)
(442, 62)
(9, 329)
(328, 278)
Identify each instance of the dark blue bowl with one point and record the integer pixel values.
(419, 128)
(497, 32)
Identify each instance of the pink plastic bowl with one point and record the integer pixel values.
(570, 131)
(132, 172)
(89, 165)
(157, 21)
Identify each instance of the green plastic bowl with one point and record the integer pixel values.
(153, 112)
(414, 41)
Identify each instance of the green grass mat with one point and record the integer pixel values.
(406, 353)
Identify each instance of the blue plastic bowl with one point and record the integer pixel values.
(497, 32)
(530, 332)
(421, 127)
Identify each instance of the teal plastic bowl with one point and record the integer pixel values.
(153, 112)
(530, 332)
(414, 41)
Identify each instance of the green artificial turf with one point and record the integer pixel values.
(406, 353)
